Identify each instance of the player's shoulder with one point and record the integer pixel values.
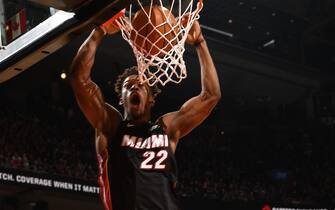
(165, 120)
(161, 121)
(112, 121)
(111, 110)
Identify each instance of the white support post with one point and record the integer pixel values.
(3, 40)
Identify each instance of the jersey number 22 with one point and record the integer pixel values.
(150, 155)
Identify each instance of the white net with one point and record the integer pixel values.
(159, 51)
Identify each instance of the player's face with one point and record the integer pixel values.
(136, 97)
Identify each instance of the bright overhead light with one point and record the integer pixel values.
(269, 43)
(63, 75)
(217, 31)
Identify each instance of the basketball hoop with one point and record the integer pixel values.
(166, 65)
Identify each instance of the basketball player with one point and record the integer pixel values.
(137, 169)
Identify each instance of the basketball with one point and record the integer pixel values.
(153, 31)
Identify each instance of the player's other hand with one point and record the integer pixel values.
(194, 36)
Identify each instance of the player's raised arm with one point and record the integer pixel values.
(197, 109)
(101, 116)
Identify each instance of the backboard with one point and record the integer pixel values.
(24, 42)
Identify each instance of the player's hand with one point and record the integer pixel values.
(194, 36)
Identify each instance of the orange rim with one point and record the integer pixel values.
(112, 20)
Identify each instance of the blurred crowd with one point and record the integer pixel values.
(286, 164)
(51, 139)
(286, 167)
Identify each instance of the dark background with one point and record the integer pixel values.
(269, 140)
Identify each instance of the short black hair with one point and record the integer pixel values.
(126, 73)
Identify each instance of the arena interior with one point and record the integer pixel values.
(269, 143)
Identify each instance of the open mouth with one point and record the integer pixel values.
(135, 99)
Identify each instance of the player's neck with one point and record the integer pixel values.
(137, 120)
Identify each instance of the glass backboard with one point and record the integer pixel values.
(34, 29)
